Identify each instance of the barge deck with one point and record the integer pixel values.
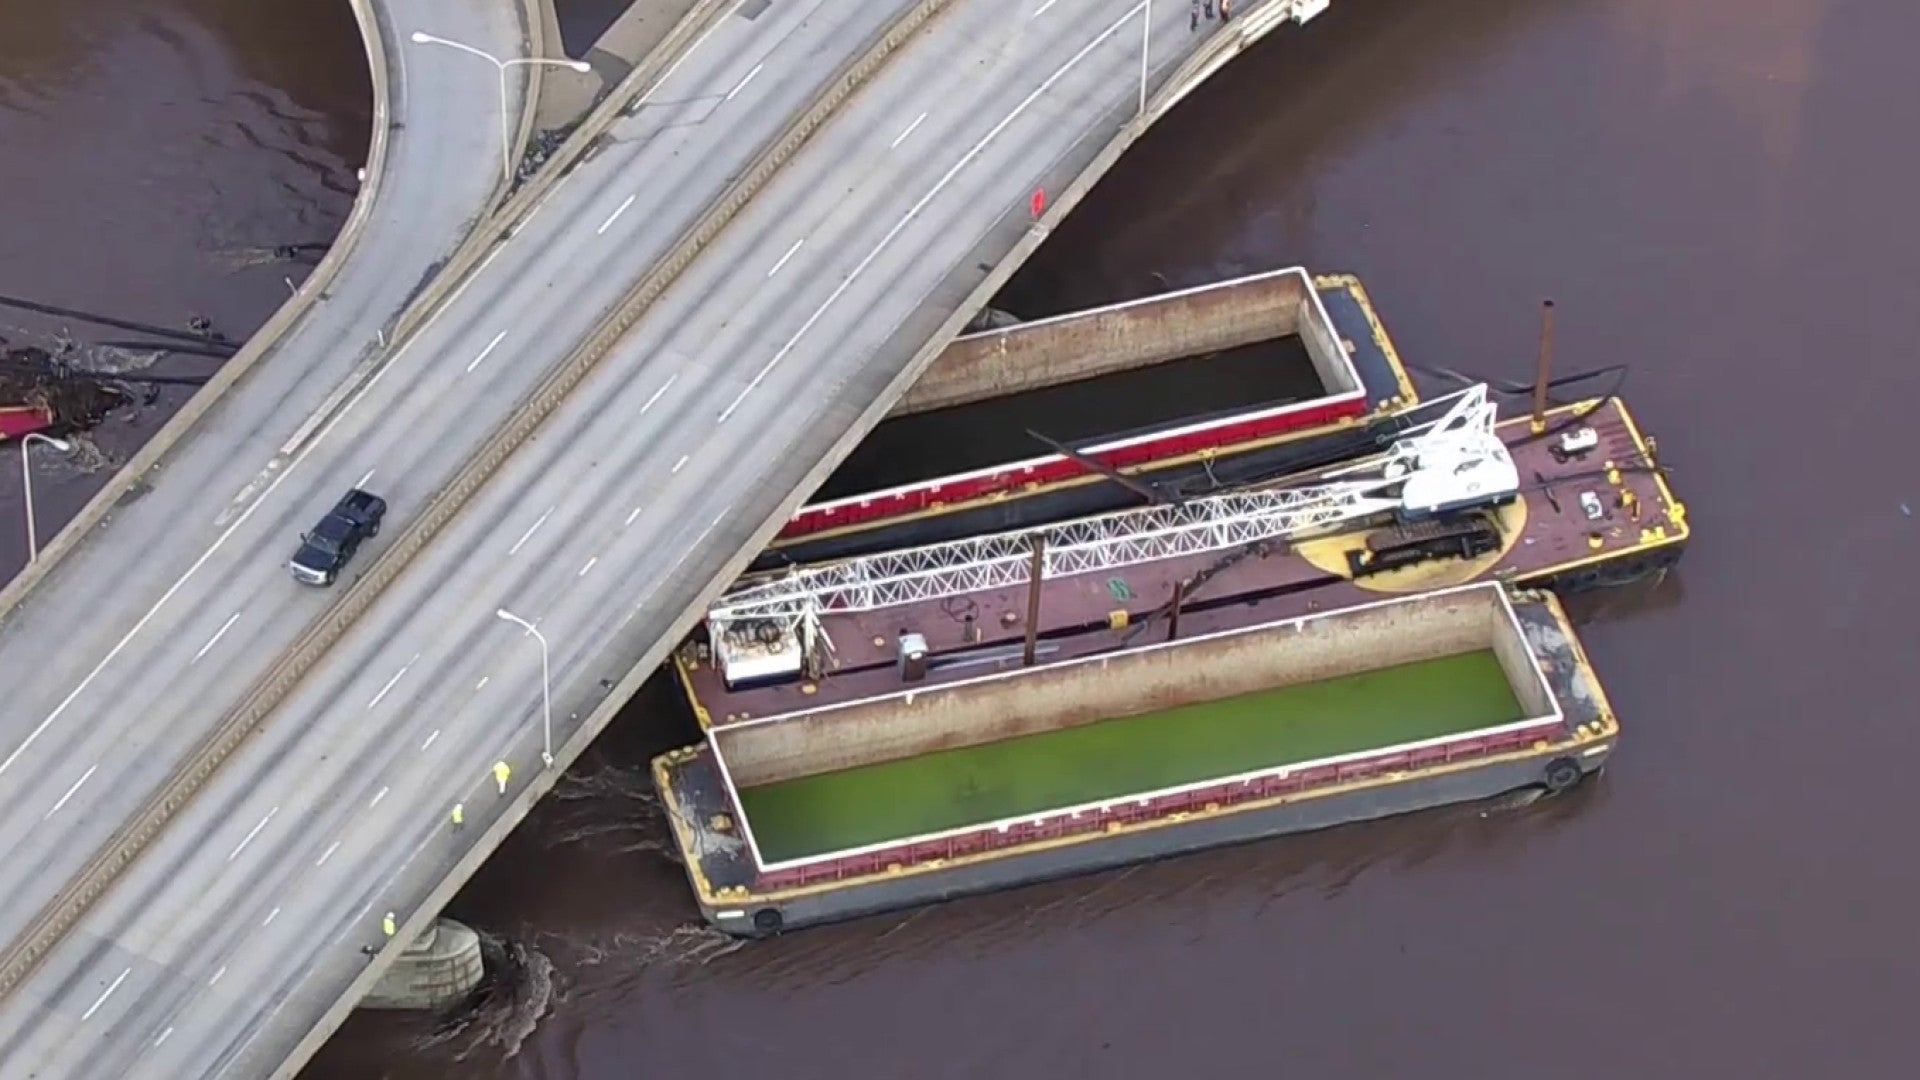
(1604, 516)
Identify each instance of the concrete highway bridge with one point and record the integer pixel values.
(215, 784)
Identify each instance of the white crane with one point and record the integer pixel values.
(767, 628)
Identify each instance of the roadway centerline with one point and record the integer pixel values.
(235, 853)
(658, 393)
(76, 787)
(105, 994)
(486, 352)
(742, 84)
(531, 529)
(215, 639)
(390, 682)
(790, 251)
(615, 216)
(902, 137)
(685, 56)
(933, 192)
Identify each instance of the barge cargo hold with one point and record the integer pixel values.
(843, 809)
(1359, 387)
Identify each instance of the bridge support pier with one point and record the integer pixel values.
(436, 972)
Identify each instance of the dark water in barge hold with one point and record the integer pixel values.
(1716, 192)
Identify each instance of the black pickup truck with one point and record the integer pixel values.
(325, 551)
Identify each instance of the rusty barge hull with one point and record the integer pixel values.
(1546, 540)
(1365, 388)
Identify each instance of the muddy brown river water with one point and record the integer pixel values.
(1717, 194)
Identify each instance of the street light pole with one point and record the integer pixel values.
(506, 122)
(1146, 47)
(26, 481)
(546, 685)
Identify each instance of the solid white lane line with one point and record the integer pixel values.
(658, 393)
(235, 853)
(679, 464)
(163, 1037)
(381, 794)
(362, 482)
(429, 742)
(589, 566)
(389, 686)
(271, 915)
(215, 639)
(327, 854)
(685, 56)
(69, 794)
(634, 514)
(693, 547)
(788, 255)
(105, 994)
(933, 192)
(486, 352)
(522, 223)
(528, 535)
(613, 217)
(902, 137)
(482, 684)
(742, 84)
(216, 975)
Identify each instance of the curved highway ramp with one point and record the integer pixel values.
(592, 455)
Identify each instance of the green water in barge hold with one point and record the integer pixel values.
(893, 800)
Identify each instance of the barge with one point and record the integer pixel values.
(1344, 392)
(854, 803)
(1577, 502)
